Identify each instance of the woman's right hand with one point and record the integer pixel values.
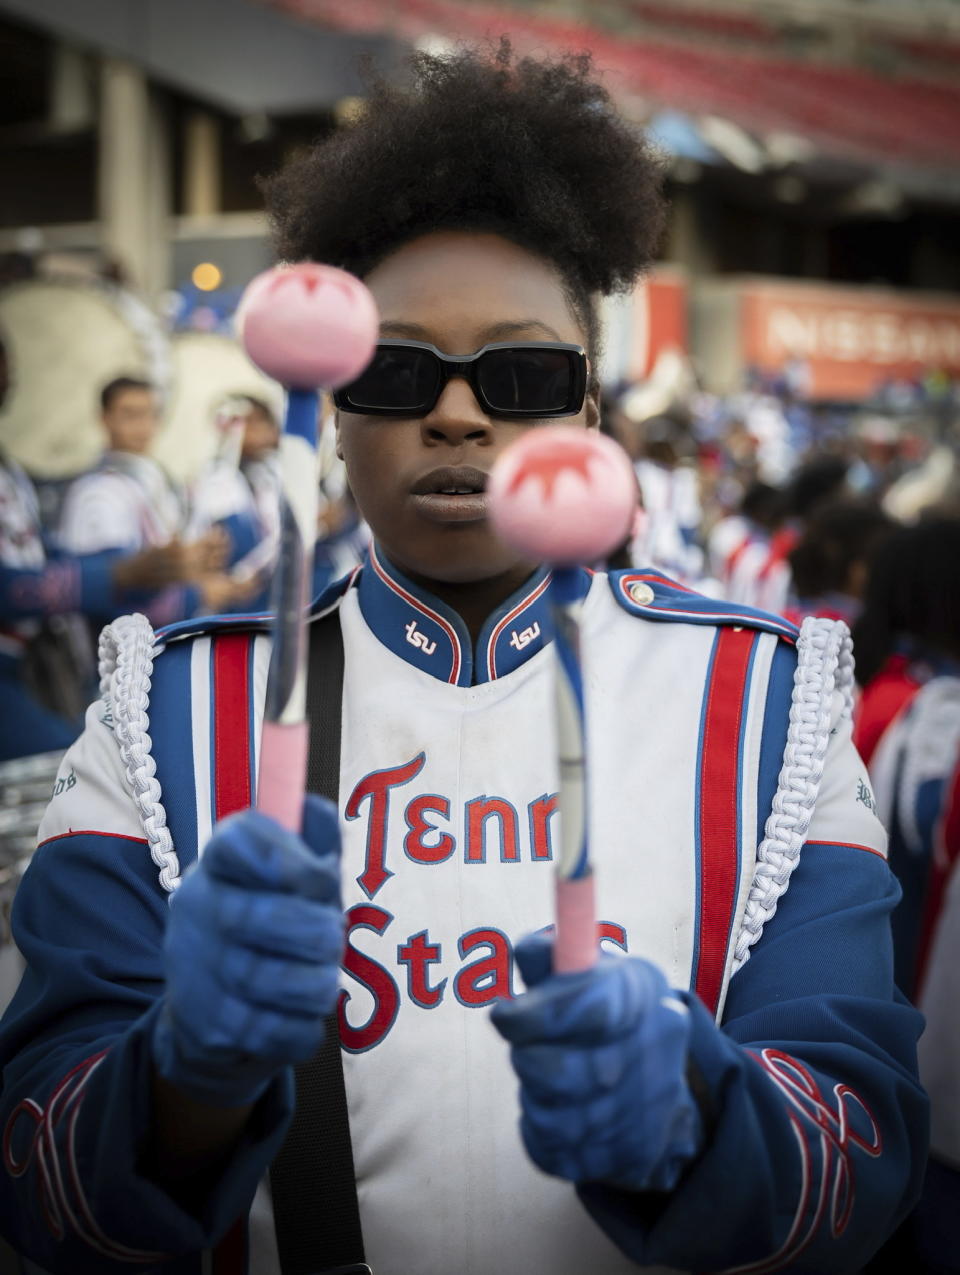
(252, 953)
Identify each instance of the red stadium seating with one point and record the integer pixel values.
(843, 109)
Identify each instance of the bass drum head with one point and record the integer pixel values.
(207, 369)
(65, 340)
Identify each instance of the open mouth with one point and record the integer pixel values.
(461, 480)
(452, 494)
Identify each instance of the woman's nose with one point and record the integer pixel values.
(457, 417)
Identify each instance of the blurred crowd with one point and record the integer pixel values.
(124, 536)
(768, 500)
(852, 513)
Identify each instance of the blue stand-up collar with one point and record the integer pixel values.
(431, 636)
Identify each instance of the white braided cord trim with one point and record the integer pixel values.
(127, 649)
(824, 665)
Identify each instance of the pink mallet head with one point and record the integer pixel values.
(563, 495)
(308, 325)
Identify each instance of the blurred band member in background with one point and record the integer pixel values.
(828, 564)
(239, 492)
(35, 586)
(907, 643)
(129, 503)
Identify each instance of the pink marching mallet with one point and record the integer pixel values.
(311, 327)
(567, 497)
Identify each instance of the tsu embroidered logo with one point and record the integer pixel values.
(416, 638)
(865, 797)
(64, 784)
(519, 641)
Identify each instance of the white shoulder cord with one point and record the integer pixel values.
(127, 648)
(824, 665)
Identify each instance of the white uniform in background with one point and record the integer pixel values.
(725, 539)
(245, 499)
(670, 523)
(127, 502)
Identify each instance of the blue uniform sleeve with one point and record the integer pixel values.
(244, 535)
(85, 584)
(818, 1124)
(69, 584)
(75, 1108)
(176, 602)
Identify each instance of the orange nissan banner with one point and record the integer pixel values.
(851, 339)
(649, 321)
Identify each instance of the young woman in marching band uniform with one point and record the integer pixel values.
(734, 1084)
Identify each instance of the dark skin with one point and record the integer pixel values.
(458, 290)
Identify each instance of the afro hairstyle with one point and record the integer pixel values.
(481, 140)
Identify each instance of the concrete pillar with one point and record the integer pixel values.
(160, 200)
(687, 243)
(201, 166)
(124, 179)
(71, 99)
(135, 182)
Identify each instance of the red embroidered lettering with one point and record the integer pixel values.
(539, 813)
(835, 1124)
(488, 979)
(372, 976)
(615, 933)
(376, 787)
(44, 1139)
(418, 954)
(479, 810)
(414, 843)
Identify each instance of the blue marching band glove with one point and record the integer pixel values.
(252, 954)
(601, 1056)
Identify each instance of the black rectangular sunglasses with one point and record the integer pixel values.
(511, 379)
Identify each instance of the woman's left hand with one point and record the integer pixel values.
(601, 1056)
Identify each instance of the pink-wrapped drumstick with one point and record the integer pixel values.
(309, 326)
(563, 495)
(567, 497)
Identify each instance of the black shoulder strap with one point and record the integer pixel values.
(312, 1182)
